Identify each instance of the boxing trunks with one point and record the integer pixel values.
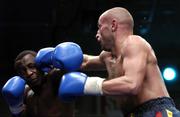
(160, 107)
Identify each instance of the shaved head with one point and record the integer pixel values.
(120, 14)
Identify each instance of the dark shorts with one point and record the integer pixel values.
(160, 107)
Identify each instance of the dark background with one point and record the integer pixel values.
(34, 24)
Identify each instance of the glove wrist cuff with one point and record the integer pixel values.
(16, 109)
(93, 86)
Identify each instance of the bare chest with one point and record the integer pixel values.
(114, 66)
(38, 106)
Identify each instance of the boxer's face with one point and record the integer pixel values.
(27, 69)
(104, 34)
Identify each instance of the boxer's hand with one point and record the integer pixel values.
(13, 92)
(67, 56)
(56, 73)
(43, 59)
(77, 84)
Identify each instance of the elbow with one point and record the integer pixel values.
(133, 89)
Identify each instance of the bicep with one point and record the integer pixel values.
(135, 65)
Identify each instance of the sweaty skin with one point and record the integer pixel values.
(133, 73)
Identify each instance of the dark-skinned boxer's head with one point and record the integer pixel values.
(25, 67)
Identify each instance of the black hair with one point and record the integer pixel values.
(21, 55)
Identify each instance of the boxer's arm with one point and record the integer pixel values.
(54, 76)
(27, 94)
(93, 63)
(134, 65)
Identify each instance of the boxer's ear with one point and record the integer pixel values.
(114, 25)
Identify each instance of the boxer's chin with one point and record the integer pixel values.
(105, 49)
(35, 82)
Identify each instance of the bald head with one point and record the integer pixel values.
(120, 14)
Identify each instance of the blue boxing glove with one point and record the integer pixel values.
(13, 92)
(43, 59)
(67, 56)
(78, 84)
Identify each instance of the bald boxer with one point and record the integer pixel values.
(134, 80)
(40, 96)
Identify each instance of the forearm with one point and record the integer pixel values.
(84, 65)
(92, 63)
(119, 86)
(99, 86)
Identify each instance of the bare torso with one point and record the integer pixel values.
(47, 103)
(152, 86)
